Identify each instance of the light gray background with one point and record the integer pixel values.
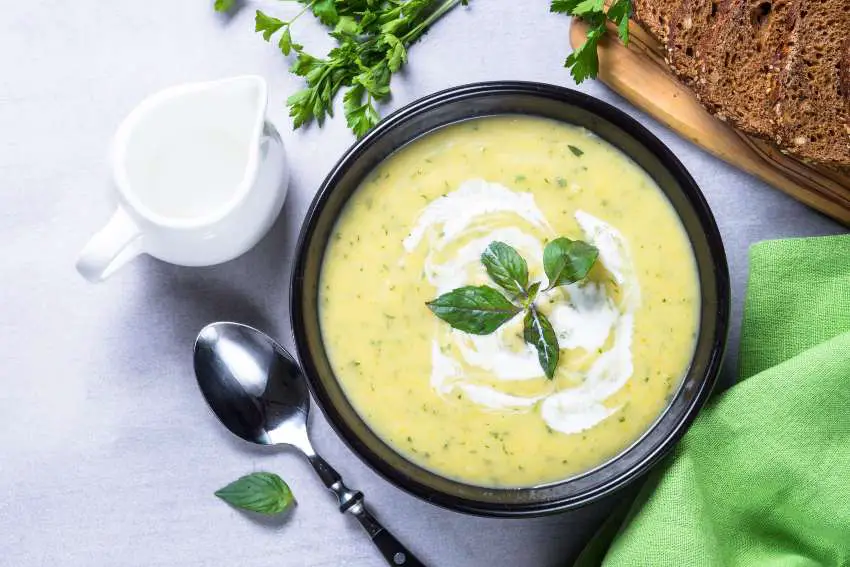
(108, 455)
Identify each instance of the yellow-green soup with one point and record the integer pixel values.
(479, 408)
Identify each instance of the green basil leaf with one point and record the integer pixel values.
(538, 332)
(532, 293)
(506, 267)
(568, 261)
(261, 492)
(576, 151)
(478, 310)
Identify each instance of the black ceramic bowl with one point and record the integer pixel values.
(486, 99)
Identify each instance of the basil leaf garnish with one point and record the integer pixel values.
(478, 310)
(576, 151)
(532, 292)
(538, 332)
(506, 267)
(531, 295)
(261, 492)
(568, 261)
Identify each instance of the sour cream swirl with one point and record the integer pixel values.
(587, 317)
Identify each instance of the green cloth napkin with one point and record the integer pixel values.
(762, 478)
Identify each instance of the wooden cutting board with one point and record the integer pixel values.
(639, 74)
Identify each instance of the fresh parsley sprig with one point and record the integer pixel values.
(480, 310)
(583, 62)
(372, 41)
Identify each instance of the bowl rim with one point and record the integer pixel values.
(669, 162)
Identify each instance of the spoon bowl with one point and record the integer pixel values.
(257, 390)
(252, 384)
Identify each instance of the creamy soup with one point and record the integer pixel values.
(479, 408)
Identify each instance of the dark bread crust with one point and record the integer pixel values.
(654, 16)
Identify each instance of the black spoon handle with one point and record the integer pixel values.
(351, 501)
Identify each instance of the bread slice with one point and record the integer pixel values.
(777, 69)
(813, 102)
(654, 16)
(741, 60)
(691, 22)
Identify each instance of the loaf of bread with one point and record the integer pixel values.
(776, 69)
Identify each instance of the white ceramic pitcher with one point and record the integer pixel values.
(200, 176)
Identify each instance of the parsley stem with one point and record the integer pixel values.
(301, 13)
(414, 33)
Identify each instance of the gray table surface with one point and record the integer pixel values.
(108, 455)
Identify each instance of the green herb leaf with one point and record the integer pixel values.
(267, 25)
(564, 6)
(567, 261)
(285, 42)
(538, 332)
(583, 62)
(261, 492)
(376, 80)
(619, 13)
(576, 151)
(533, 289)
(301, 107)
(346, 25)
(506, 267)
(326, 11)
(224, 5)
(373, 38)
(478, 310)
(305, 64)
(396, 54)
(588, 7)
(359, 116)
(367, 19)
(481, 310)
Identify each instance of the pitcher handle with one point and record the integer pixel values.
(113, 246)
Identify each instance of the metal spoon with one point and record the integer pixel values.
(259, 393)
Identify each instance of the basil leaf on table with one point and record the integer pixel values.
(506, 267)
(261, 492)
(567, 261)
(538, 332)
(478, 310)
